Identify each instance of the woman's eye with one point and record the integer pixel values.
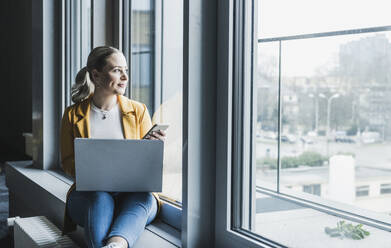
(116, 70)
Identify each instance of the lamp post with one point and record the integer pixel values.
(336, 95)
(316, 111)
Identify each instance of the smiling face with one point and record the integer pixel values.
(113, 79)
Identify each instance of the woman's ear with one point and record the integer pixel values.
(94, 75)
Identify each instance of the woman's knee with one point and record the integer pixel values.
(144, 199)
(100, 197)
(91, 199)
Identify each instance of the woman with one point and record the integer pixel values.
(101, 111)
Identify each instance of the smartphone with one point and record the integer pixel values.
(156, 128)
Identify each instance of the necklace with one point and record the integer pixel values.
(104, 113)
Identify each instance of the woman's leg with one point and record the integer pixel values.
(134, 212)
(93, 211)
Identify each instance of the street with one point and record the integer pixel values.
(369, 155)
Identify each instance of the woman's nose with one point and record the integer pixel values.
(124, 76)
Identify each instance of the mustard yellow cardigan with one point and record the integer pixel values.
(75, 123)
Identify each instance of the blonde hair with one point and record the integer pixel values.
(84, 85)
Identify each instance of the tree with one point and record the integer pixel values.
(365, 72)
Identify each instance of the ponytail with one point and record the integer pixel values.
(83, 87)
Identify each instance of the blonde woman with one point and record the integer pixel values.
(110, 219)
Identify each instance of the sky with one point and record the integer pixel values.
(278, 18)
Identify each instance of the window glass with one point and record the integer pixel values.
(77, 42)
(362, 191)
(170, 108)
(312, 189)
(335, 94)
(158, 50)
(142, 51)
(170, 112)
(322, 128)
(385, 188)
(267, 115)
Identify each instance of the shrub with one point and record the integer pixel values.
(312, 159)
(306, 158)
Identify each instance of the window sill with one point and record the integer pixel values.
(37, 192)
(305, 228)
(291, 223)
(340, 209)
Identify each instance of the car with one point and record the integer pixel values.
(370, 137)
(270, 135)
(306, 140)
(288, 138)
(340, 136)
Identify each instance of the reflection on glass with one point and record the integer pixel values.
(170, 112)
(142, 76)
(78, 41)
(142, 49)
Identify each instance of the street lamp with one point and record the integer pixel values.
(316, 111)
(336, 95)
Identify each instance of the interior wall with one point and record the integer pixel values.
(15, 68)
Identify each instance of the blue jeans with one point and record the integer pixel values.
(107, 214)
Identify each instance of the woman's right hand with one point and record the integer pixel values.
(157, 135)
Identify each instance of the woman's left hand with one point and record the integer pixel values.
(158, 135)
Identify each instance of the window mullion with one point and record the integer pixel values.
(279, 119)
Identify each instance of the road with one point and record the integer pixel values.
(371, 155)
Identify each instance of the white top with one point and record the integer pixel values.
(106, 124)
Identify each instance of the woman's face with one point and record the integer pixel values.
(113, 78)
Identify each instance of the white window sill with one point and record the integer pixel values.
(296, 225)
(44, 193)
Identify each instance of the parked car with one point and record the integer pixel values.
(340, 136)
(370, 137)
(269, 135)
(288, 138)
(306, 140)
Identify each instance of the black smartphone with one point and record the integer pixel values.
(155, 128)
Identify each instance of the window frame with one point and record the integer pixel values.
(229, 168)
(230, 29)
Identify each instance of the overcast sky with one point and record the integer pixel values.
(278, 18)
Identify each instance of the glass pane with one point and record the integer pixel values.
(335, 136)
(335, 122)
(278, 18)
(142, 48)
(335, 103)
(267, 115)
(170, 112)
(170, 84)
(78, 42)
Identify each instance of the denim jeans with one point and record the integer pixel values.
(107, 214)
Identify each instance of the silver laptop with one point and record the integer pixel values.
(118, 165)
